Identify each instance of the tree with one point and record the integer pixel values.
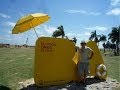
(56, 33)
(104, 46)
(97, 38)
(94, 36)
(108, 45)
(114, 37)
(61, 29)
(66, 37)
(103, 39)
(74, 39)
(59, 32)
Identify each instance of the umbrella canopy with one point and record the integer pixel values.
(29, 21)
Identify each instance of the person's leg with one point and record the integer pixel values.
(81, 71)
(81, 78)
(84, 77)
(86, 71)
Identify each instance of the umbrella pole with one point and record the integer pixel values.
(26, 41)
(35, 32)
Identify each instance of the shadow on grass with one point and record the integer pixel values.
(69, 86)
(4, 88)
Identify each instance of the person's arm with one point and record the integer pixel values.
(91, 53)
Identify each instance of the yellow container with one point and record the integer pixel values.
(96, 59)
(53, 61)
(56, 61)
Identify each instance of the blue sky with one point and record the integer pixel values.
(79, 18)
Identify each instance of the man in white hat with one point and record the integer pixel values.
(86, 54)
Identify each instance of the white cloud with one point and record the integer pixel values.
(6, 37)
(76, 11)
(49, 29)
(94, 13)
(9, 23)
(115, 11)
(70, 34)
(80, 36)
(82, 12)
(98, 28)
(87, 33)
(115, 2)
(9, 32)
(4, 15)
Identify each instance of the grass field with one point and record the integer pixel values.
(113, 66)
(16, 65)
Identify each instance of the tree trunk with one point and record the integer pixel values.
(117, 48)
(62, 36)
(104, 49)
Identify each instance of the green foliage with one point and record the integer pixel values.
(94, 36)
(114, 37)
(102, 38)
(74, 40)
(97, 38)
(59, 32)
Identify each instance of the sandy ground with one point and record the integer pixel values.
(91, 84)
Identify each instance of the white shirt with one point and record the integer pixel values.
(85, 54)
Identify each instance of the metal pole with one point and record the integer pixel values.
(35, 32)
(26, 41)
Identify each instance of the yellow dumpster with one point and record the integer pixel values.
(53, 61)
(56, 61)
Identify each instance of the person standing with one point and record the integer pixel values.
(86, 53)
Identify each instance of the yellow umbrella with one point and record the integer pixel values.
(29, 21)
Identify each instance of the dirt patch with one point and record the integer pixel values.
(91, 84)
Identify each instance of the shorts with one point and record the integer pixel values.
(83, 68)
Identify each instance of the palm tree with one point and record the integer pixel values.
(97, 38)
(59, 32)
(114, 37)
(66, 37)
(56, 33)
(94, 36)
(103, 39)
(74, 39)
(104, 46)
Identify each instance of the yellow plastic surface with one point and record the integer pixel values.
(56, 61)
(96, 59)
(53, 61)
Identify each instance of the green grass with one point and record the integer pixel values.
(113, 66)
(16, 65)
